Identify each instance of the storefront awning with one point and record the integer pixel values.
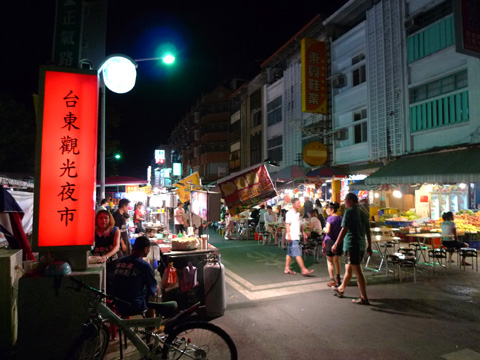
(445, 167)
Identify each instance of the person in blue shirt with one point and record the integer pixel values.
(134, 281)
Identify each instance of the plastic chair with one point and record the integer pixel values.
(468, 253)
(438, 252)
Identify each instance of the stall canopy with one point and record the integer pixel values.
(292, 172)
(324, 172)
(445, 167)
(11, 215)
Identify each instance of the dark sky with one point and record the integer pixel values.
(215, 40)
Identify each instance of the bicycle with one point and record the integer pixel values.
(173, 337)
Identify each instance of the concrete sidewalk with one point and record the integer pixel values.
(271, 315)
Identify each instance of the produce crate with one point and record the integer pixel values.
(398, 223)
(387, 211)
(475, 245)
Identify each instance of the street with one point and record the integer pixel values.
(271, 315)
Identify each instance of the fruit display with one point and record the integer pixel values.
(465, 220)
(402, 216)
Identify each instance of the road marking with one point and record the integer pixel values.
(464, 354)
(259, 292)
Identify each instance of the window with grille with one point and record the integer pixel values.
(434, 38)
(441, 111)
(439, 87)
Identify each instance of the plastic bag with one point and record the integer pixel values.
(188, 278)
(170, 278)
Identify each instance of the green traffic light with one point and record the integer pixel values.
(118, 156)
(168, 59)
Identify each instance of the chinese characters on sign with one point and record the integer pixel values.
(248, 189)
(68, 160)
(184, 186)
(314, 76)
(68, 25)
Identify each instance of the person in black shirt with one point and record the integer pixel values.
(134, 281)
(121, 216)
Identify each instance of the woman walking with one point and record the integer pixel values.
(332, 229)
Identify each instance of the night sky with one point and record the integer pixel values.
(216, 41)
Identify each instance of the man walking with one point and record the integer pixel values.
(120, 216)
(355, 227)
(294, 234)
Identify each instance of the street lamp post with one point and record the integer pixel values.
(118, 73)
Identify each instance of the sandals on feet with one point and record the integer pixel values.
(308, 273)
(361, 301)
(337, 292)
(332, 283)
(291, 272)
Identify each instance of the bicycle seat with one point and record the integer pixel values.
(165, 309)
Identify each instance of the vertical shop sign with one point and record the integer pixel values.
(314, 76)
(467, 26)
(68, 31)
(67, 158)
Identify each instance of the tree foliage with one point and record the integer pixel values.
(17, 136)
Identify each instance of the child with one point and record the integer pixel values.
(449, 228)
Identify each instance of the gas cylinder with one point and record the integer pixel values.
(214, 288)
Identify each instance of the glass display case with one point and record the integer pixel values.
(444, 199)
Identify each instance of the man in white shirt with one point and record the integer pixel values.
(294, 233)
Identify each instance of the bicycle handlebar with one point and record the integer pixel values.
(97, 292)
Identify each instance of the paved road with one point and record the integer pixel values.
(271, 315)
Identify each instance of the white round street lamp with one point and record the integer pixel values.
(119, 73)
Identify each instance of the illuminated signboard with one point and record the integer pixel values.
(66, 159)
(314, 76)
(177, 169)
(184, 186)
(247, 189)
(131, 188)
(159, 156)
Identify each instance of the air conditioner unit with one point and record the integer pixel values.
(341, 134)
(339, 81)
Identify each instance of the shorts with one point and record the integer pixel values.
(327, 248)
(293, 248)
(354, 257)
(452, 244)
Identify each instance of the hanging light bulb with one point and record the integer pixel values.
(397, 194)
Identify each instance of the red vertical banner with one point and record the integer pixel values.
(65, 187)
(314, 76)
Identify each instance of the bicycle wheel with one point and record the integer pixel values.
(103, 341)
(92, 345)
(199, 340)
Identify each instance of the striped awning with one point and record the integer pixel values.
(443, 167)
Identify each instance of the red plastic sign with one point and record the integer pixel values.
(66, 206)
